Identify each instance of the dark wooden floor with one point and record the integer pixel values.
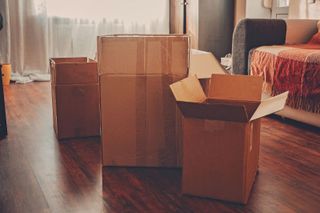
(38, 174)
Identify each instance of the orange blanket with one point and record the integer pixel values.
(293, 68)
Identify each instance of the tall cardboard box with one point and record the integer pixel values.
(75, 97)
(221, 134)
(141, 125)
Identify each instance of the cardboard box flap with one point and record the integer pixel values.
(250, 106)
(188, 90)
(270, 105)
(216, 111)
(236, 87)
(204, 64)
(143, 55)
(76, 70)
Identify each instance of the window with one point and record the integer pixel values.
(126, 10)
(280, 9)
(283, 3)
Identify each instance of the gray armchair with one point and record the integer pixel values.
(251, 33)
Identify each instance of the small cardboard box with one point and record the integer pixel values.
(221, 134)
(75, 97)
(140, 122)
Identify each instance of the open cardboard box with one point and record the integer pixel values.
(75, 97)
(230, 98)
(221, 134)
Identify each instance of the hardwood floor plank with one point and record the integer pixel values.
(40, 174)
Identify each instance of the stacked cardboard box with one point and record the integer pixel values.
(141, 125)
(75, 97)
(221, 134)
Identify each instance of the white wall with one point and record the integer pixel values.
(255, 9)
(300, 9)
(314, 10)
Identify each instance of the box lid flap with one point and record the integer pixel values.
(204, 64)
(216, 111)
(188, 90)
(236, 87)
(270, 105)
(250, 106)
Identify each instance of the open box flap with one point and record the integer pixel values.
(188, 90)
(204, 64)
(270, 105)
(216, 111)
(250, 106)
(236, 87)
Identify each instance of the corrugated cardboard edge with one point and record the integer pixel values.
(270, 105)
(143, 36)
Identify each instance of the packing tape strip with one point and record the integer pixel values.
(141, 114)
(141, 106)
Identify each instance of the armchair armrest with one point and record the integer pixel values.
(251, 33)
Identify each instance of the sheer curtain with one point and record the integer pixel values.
(38, 29)
(304, 9)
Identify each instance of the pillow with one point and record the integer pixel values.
(315, 38)
(307, 28)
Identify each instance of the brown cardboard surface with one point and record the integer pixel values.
(219, 111)
(250, 106)
(220, 158)
(251, 157)
(123, 55)
(178, 57)
(118, 130)
(143, 54)
(188, 90)
(204, 64)
(73, 71)
(270, 105)
(76, 108)
(220, 143)
(156, 55)
(141, 125)
(145, 133)
(71, 60)
(239, 106)
(54, 108)
(76, 73)
(236, 87)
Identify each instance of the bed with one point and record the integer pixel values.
(279, 51)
